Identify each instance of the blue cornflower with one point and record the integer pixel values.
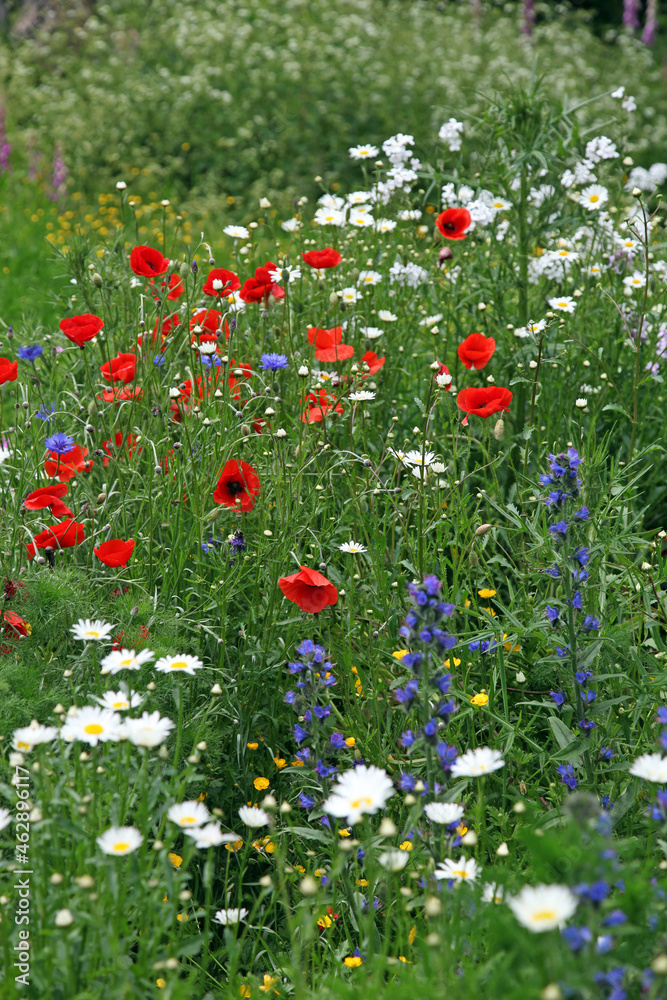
(300, 734)
(606, 753)
(583, 676)
(566, 772)
(211, 360)
(661, 715)
(273, 362)
(580, 575)
(551, 613)
(480, 645)
(577, 937)
(60, 443)
(30, 353)
(581, 555)
(322, 712)
(431, 728)
(588, 696)
(443, 683)
(562, 651)
(306, 648)
(432, 585)
(586, 726)
(303, 755)
(447, 641)
(323, 771)
(445, 609)
(407, 694)
(559, 528)
(290, 697)
(556, 497)
(158, 360)
(46, 413)
(446, 708)
(604, 943)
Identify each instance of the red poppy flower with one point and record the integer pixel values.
(311, 591)
(209, 320)
(60, 536)
(453, 223)
(476, 351)
(119, 445)
(115, 552)
(8, 370)
(259, 288)
(328, 345)
(15, 626)
(321, 259)
(484, 402)
(148, 262)
(229, 282)
(444, 370)
(175, 285)
(49, 496)
(238, 486)
(119, 369)
(64, 467)
(119, 395)
(374, 363)
(80, 329)
(319, 406)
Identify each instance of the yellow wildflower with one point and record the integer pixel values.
(479, 699)
(486, 592)
(400, 653)
(280, 762)
(413, 934)
(353, 961)
(175, 859)
(252, 746)
(350, 742)
(406, 845)
(261, 783)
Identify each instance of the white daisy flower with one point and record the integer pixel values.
(564, 304)
(349, 295)
(5, 453)
(291, 225)
(430, 320)
(149, 731)
(443, 380)
(359, 198)
(179, 663)
(650, 767)
(543, 907)
(394, 861)
(361, 791)
(236, 232)
(329, 217)
(86, 630)
(371, 332)
(209, 347)
(369, 278)
(418, 459)
(387, 316)
(92, 725)
(188, 814)
(635, 280)
(120, 840)
(593, 197)
(211, 836)
(28, 737)
(230, 916)
(444, 813)
(476, 763)
(500, 205)
(254, 816)
(235, 303)
(581, 403)
(125, 659)
(362, 396)
(119, 701)
(367, 152)
(353, 547)
(492, 893)
(463, 870)
(385, 225)
(409, 215)
(360, 219)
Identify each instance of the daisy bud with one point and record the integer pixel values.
(85, 881)
(67, 673)
(469, 839)
(193, 758)
(502, 850)
(433, 940)
(387, 828)
(303, 371)
(308, 886)
(499, 430)
(432, 906)
(202, 745)
(185, 895)
(64, 918)
(409, 800)
(83, 756)
(483, 529)
(56, 878)
(521, 677)
(636, 192)
(285, 807)
(216, 689)
(266, 881)
(551, 992)
(659, 965)
(435, 366)
(151, 685)
(519, 807)
(268, 802)
(171, 963)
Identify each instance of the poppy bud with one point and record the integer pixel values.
(97, 280)
(445, 253)
(323, 567)
(333, 298)
(473, 558)
(135, 611)
(499, 430)
(184, 269)
(483, 529)
(89, 428)
(101, 498)
(92, 409)
(245, 430)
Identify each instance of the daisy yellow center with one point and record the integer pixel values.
(187, 819)
(22, 746)
(179, 665)
(594, 197)
(562, 305)
(126, 663)
(92, 635)
(121, 704)
(363, 801)
(461, 872)
(94, 729)
(121, 846)
(543, 915)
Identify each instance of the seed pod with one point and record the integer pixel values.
(97, 280)
(499, 429)
(483, 529)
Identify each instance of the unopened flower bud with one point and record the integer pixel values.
(473, 558)
(445, 253)
(499, 429)
(308, 886)
(185, 269)
(245, 430)
(483, 529)
(333, 298)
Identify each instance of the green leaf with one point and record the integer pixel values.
(563, 736)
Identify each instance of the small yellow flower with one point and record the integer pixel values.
(479, 699)
(297, 763)
(406, 845)
(353, 961)
(261, 783)
(181, 917)
(350, 742)
(252, 746)
(363, 882)
(454, 660)
(324, 921)
(245, 991)
(462, 830)
(280, 762)
(343, 833)
(319, 872)
(160, 983)
(400, 653)
(490, 611)
(508, 647)
(486, 592)
(236, 846)
(300, 869)
(466, 603)
(175, 859)
(402, 958)
(268, 980)
(355, 671)
(413, 934)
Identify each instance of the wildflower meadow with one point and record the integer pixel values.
(333, 652)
